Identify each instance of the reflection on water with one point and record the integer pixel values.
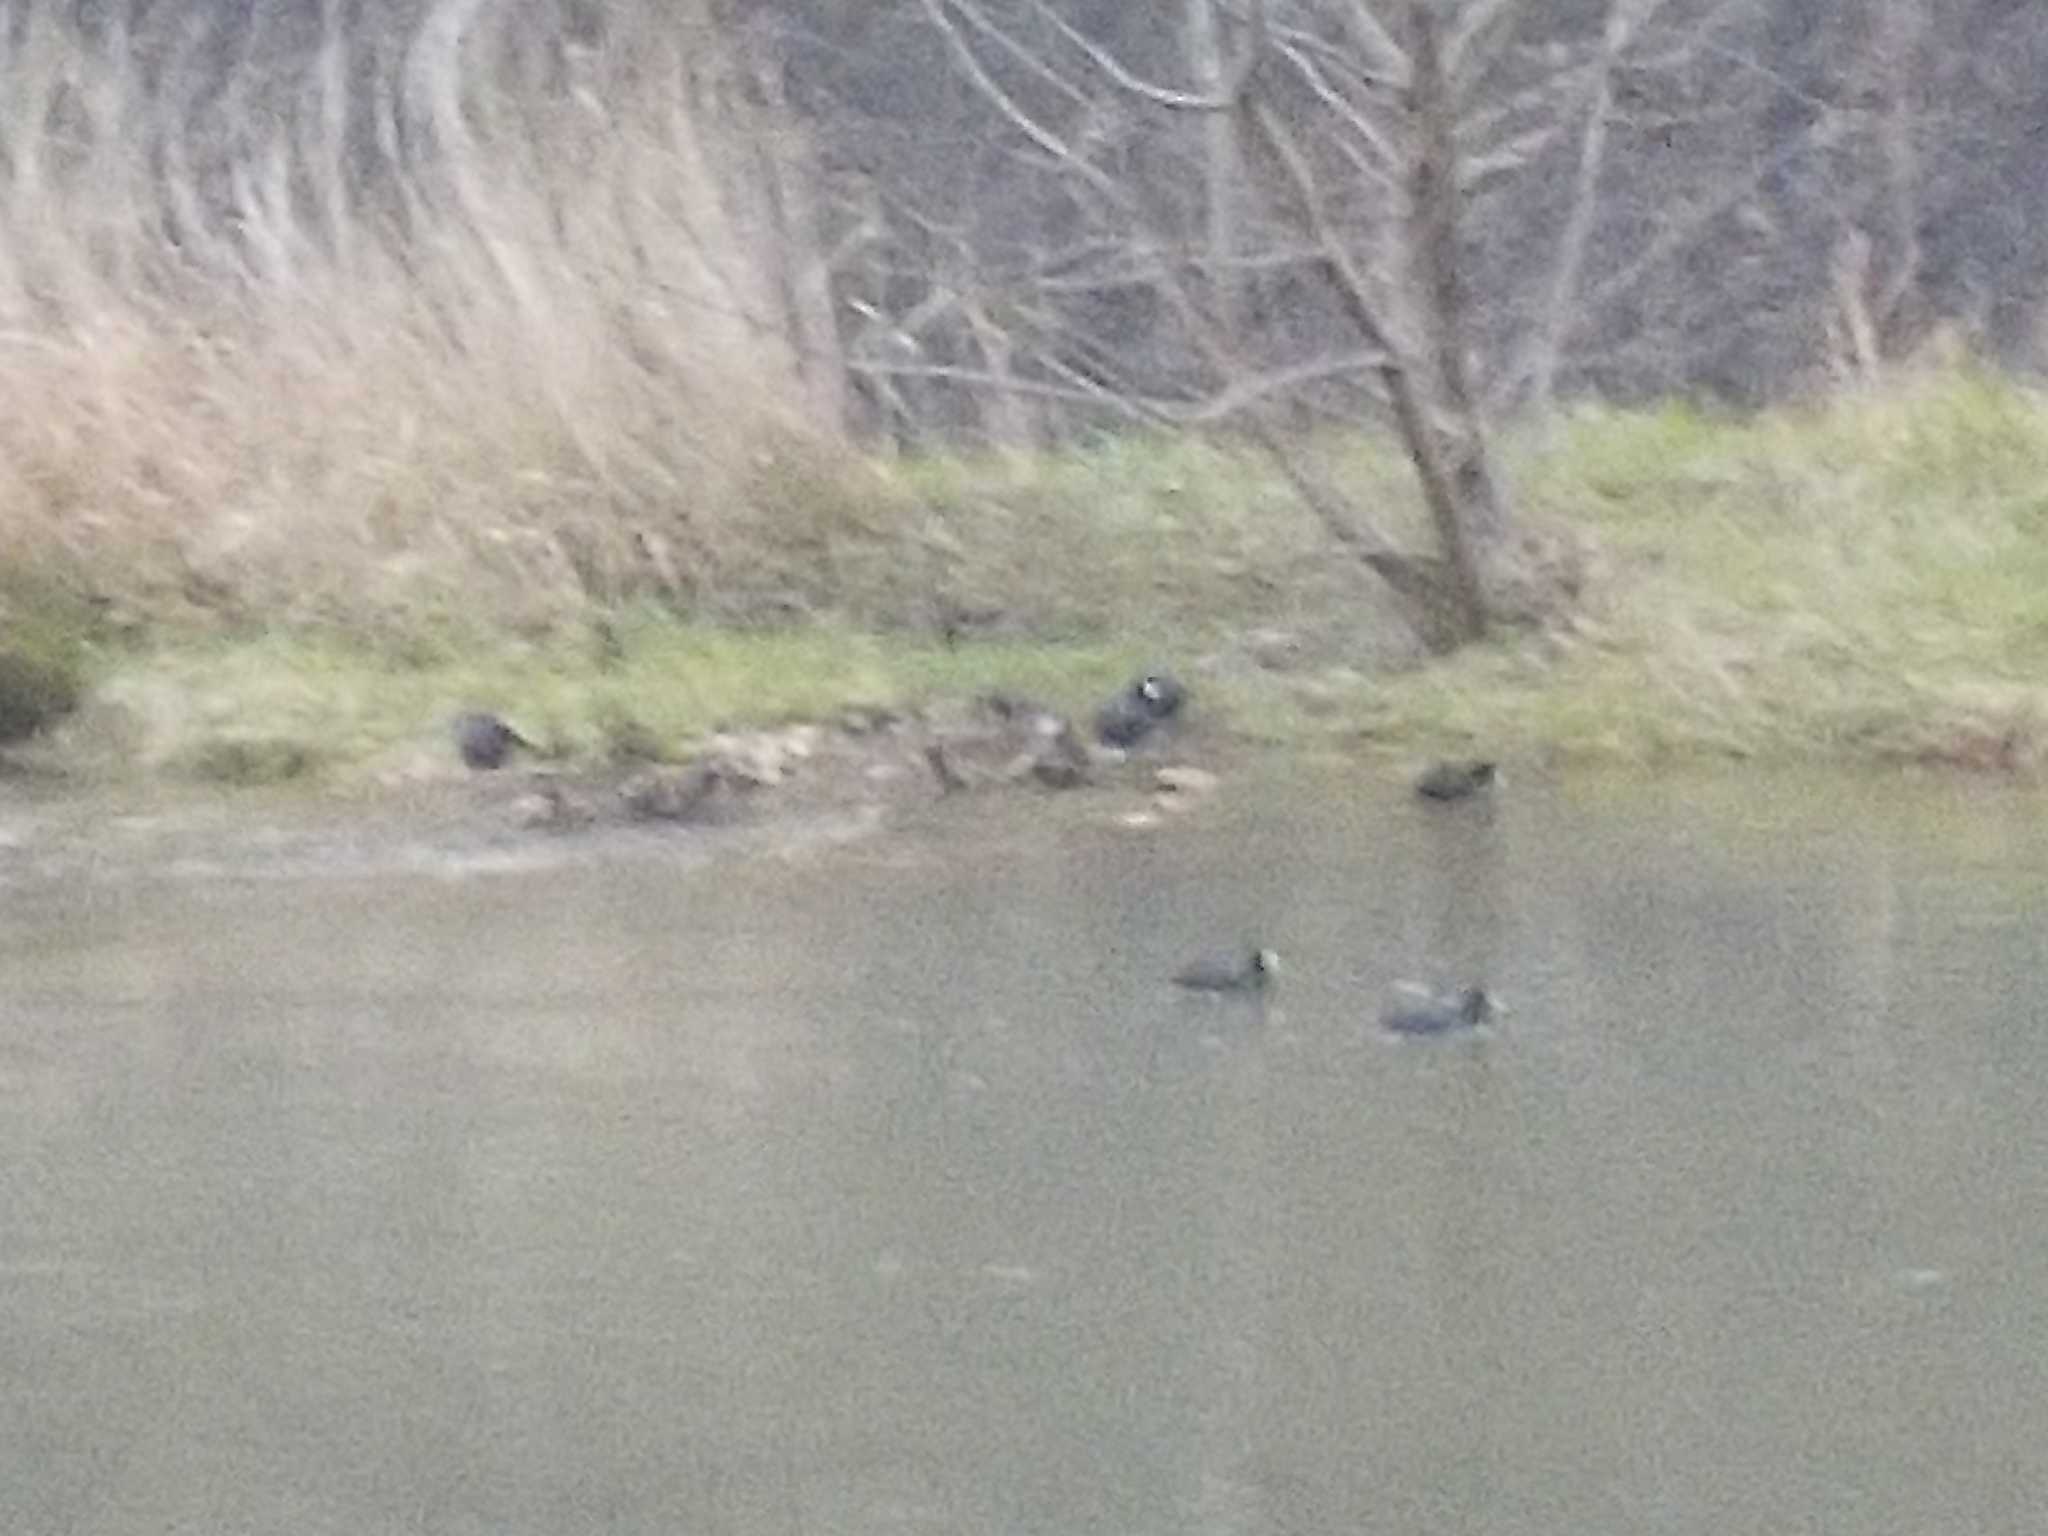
(892, 1190)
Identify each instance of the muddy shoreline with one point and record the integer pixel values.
(786, 792)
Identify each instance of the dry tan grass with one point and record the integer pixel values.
(519, 355)
(469, 327)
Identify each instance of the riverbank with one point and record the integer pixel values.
(1859, 581)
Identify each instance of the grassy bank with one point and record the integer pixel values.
(1863, 580)
(475, 388)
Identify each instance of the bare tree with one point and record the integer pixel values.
(1223, 167)
(1548, 335)
(1271, 214)
(1877, 255)
(1361, 129)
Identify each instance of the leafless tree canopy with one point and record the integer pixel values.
(1733, 197)
(1738, 197)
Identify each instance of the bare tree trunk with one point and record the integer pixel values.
(1447, 597)
(1555, 323)
(1387, 123)
(1901, 31)
(1855, 353)
(795, 251)
(1472, 521)
(1876, 262)
(1223, 172)
(1006, 415)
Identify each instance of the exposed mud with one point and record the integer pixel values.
(780, 793)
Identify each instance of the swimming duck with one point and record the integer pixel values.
(1131, 716)
(1249, 975)
(1439, 1015)
(1455, 780)
(484, 740)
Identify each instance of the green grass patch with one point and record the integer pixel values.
(1865, 578)
(46, 635)
(245, 761)
(273, 708)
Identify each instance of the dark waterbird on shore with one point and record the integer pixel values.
(1456, 780)
(1133, 714)
(1440, 1015)
(484, 740)
(1250, 974)
(1010, 738)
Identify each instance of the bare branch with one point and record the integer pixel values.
(1684, 53)
(1389, 58)
(1352, 289)
(1150, 412)
(1244, 393)
(1249, 391)
(1103, 391)
(1360, 125)
(1548, 344)
(1550, 97)
(1141, 269)
(1332, 57)
(1419, 432)
(1474, 171)
(1007, 105)
(1899, 40)
(1225, 99)
(1472, 46)
(1678, 233)
(1468, 508)
(1033, 64)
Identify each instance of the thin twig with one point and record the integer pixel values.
(1223, 100)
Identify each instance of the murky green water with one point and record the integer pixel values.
(885, 1188)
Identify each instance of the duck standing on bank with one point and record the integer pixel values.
(1141, 708)
(1009, 738)
(485, 741)
(1456, 780)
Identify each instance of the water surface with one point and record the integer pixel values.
(883, 1187)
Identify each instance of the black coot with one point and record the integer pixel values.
(1247, 975)
(1455, 781)
(1133, 714)
(485, 741)
(1440, 1015)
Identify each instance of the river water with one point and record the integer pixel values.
(876, 1183)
